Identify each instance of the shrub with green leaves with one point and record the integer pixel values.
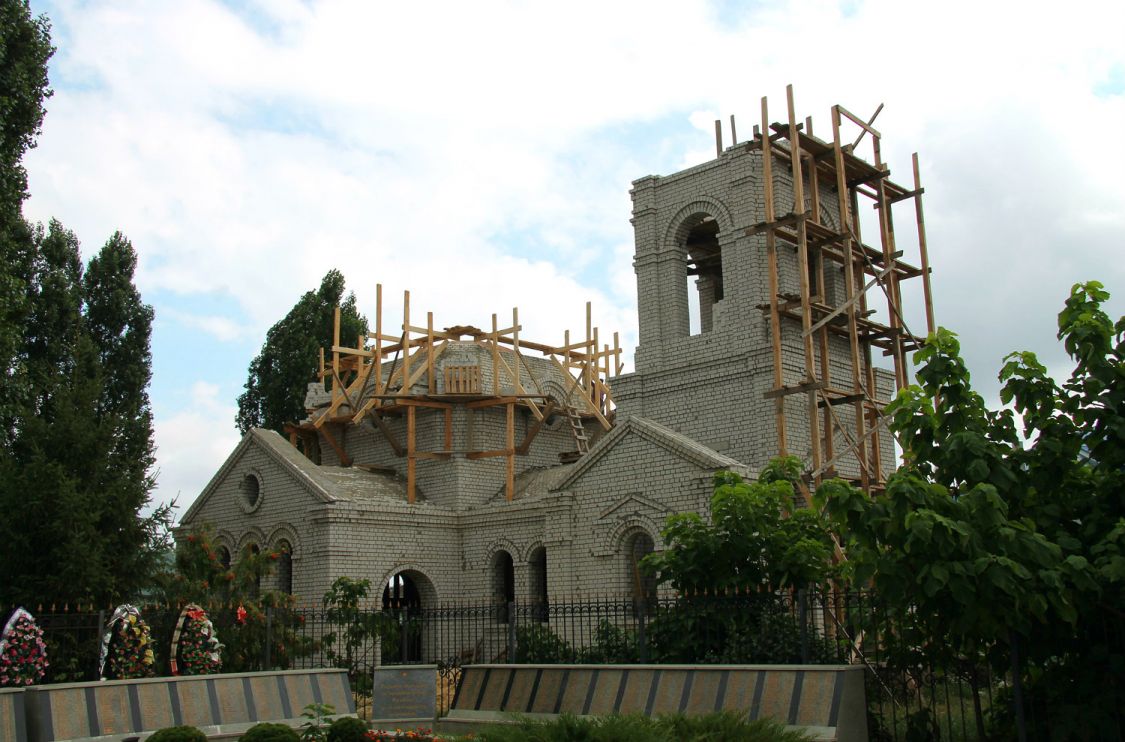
(347, 729)
(178, 734)
(270, 732)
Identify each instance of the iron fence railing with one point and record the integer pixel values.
(912, 694)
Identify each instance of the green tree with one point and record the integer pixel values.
(25, 48)
(75, 475)
(278, 376)
(731, 573)
(986, 544)
(244, 615)
(757, 538)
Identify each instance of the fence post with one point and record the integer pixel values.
(802, 617)
(404, 649)
(642, 640)
(511, 631)
(266, 658)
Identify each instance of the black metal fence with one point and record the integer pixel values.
(911, 695)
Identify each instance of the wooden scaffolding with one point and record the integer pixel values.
(872, 274)
(386, 376)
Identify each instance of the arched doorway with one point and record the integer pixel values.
(537, 574)
(503, 583)
(406, 595)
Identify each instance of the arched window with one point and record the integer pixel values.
(503, 583)
(255, 591)
(538, 579)
(642, 586)
(285, 567)
(224, 557)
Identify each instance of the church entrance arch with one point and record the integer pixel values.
(406, 594)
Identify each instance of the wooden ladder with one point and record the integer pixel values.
(576, 428)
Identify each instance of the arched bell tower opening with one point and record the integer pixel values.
(704, 262)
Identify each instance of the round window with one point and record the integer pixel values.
(251, 493)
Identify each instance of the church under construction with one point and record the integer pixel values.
(467, 463)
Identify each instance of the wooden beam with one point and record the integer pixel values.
(809, 386)
(411, 447)
(341, 454)
(510, 442)
(533, 431)
(380, 423)
(803, 270)
(772, 268)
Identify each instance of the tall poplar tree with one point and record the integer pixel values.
(25, 47)
(279, 375)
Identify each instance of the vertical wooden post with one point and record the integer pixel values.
(516, 347)
(930, 328)
(411, 447)
(733, 132)
(430, 371)
(448, 429)
(617, 365)
(803, 271)
(844, 204)
(495, 336)
(405, 342)
(335, 355)
(718, 138)
(771, 259)
(587, 382)
(378, 338)
(510, 446)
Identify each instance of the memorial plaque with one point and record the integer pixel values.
(404, 692)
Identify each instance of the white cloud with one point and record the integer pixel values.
(480, 154)
(191, 443)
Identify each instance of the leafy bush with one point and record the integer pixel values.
(719, 727)
(612, 644)
(347, 729)
(537, 643)
(269, 732)
(178, 734)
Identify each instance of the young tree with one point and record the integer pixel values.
(988, 546)
(278, 376)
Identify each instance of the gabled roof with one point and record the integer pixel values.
(325, 483)
(675, 443)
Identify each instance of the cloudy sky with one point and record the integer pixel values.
(480, 155)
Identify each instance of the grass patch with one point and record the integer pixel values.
(717, 727)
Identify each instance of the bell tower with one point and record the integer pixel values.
(767, 325)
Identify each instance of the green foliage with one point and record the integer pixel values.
(537, 643)
(1033, 519)
(201, 577)
(25, 48)
(749, 544)
(355, 628)
(347, 729)
(178, 734)
(314, 729)
(76, 467)
(716, 727)
(278, 375)
(269, 732)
